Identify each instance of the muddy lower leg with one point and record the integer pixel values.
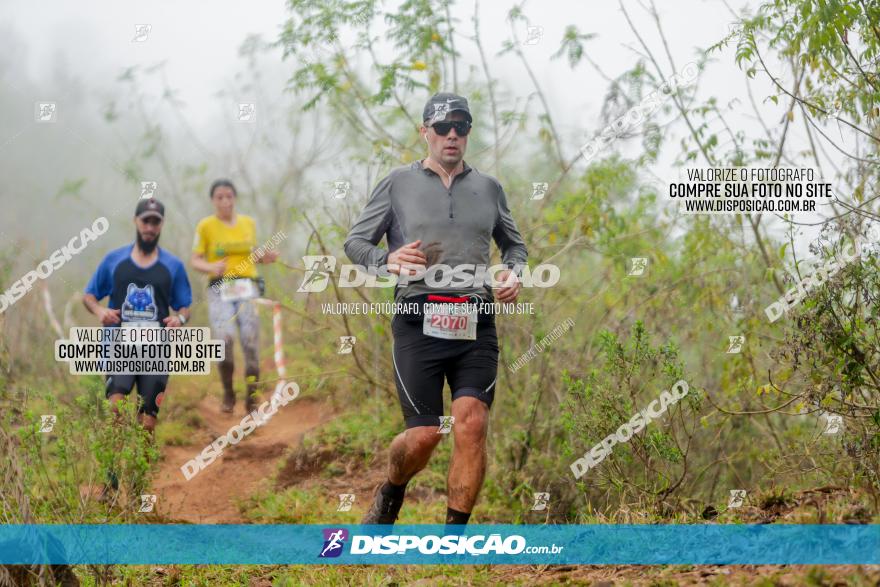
(468, 466)
(148, 422)
(410, 452)
(114, 399)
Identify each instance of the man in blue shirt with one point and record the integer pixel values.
(143, 283)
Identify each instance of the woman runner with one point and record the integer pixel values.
(225, 248)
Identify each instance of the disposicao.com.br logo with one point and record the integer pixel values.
(479, 544)
(334, 541)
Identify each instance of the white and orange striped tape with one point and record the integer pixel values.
(278, 341)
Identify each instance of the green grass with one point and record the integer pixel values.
(386, 575)
(297, 506)
(287, 576)
(175, 433)
(359, 433)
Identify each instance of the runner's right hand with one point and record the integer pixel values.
(219, 267)
(108, 317)
(406, 259)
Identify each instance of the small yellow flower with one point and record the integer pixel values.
(419, 65)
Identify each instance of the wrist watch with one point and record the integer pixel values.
(182, 319)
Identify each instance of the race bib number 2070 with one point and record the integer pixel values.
(450, 321)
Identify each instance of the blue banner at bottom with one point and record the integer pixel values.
(437, 544)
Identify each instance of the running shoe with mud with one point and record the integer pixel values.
(385, 508)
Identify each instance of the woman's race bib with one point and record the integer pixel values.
(238, 290)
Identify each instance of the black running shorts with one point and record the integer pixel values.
(151, 388)
(421, 364)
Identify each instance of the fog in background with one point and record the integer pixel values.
(58, 177)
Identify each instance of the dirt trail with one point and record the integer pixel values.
(211, 496)
(243, 469)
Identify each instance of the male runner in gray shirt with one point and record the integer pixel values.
(440, 211)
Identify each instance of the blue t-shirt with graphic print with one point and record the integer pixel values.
(142, 294)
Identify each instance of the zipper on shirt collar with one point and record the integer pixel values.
(465, 169)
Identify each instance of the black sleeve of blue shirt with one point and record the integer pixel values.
(101, 283)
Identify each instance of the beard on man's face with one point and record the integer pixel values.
(147, 246)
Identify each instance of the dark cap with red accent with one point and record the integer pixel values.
(150, 207)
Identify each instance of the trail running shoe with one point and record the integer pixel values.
(250, 403)
(384, 509)
(228, 402)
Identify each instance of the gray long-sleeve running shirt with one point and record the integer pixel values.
(456, 225)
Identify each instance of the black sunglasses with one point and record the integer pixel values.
(462, 128)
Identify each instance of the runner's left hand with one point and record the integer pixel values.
(172, 322)
(510, 287)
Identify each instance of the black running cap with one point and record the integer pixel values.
(439, 104)
(150, 207)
